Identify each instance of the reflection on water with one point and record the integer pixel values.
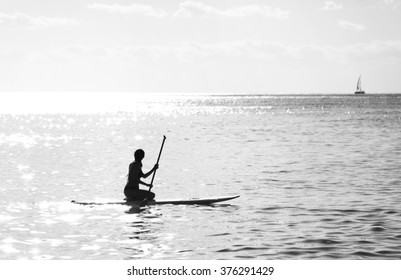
(318, 178)
(134, 209)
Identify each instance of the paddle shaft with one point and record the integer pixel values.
(158, 158)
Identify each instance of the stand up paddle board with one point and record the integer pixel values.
(194, 201)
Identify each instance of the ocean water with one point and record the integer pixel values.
(319, 176)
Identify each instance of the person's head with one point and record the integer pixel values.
(139, 155)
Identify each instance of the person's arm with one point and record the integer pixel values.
(150, 172)
(145, 184)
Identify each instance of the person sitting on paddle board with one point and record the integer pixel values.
(131, 190)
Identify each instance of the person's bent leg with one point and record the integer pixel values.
(151, 195)
(131, 194)
(146, 194)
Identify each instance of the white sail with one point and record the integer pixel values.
(359, 86)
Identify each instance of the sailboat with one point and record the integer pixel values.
(359, 87)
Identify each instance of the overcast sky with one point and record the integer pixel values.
(217, 46)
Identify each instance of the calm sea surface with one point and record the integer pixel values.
(319, 176)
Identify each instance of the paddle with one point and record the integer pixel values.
(160, 153)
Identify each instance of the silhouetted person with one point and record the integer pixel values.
(131, 190)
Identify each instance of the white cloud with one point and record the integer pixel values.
(227, 66)
(20, 20)
(382, 52)
(393, 3)
(192, 9)
(225, 53)
(331, 5)
(348, 25)
(131, 9)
